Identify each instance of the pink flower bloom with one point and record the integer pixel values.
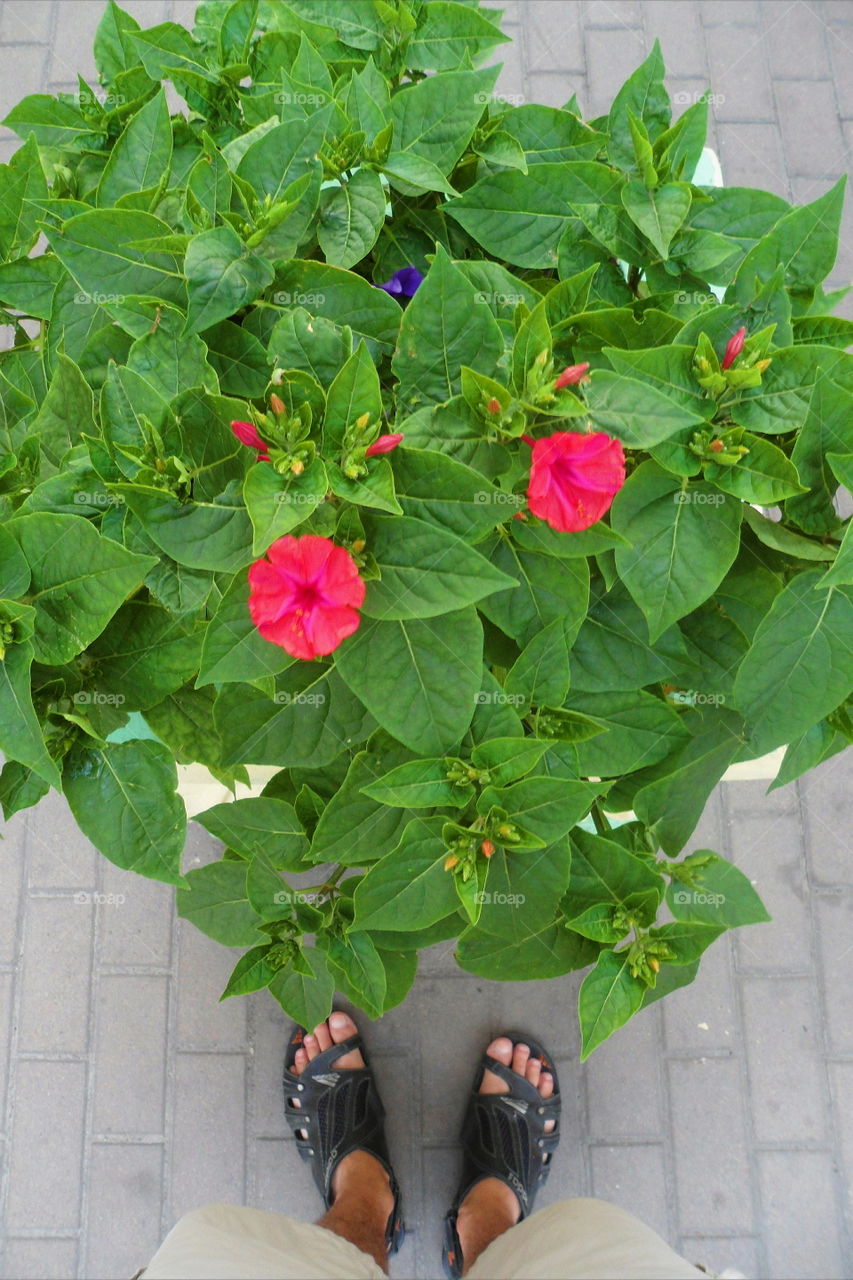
(248, 435)
(734, 346)
(571, 375)
(385, 444)
(305, 597)
(574, 478)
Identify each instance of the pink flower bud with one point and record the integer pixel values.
(571, 375)
(247, 434)
(276, 404)
(734, 346)
(494, 405)
(385, 444)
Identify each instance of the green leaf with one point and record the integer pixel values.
(672, 804)
(279, 503)
(66, 413)
(408, 888)
(548, 134)
(419, 784)
(804, 242)
(114, 52)
(201, 535)
(658, 213)
(688, 939)
(635, 411)
(20, 788)
(20, 732)
(411, 175)
(540, 675)
(222, 276)
(549, 807)
(233, 648)
(547, 952)
(28, 285)
(443, 328)
(641, 731)
(718, 895)
(214, 899)
(376, 489)
(123, 798)
(308, 721)
(22, 180)
(443, 492)
(642, 95)
(425, 571)
(354, 392)
(259, 825)
(143, 654)
(252, 972)
(351, 217)
(418, 677)
(14, 570)
(685, 539)
(608, 998)
(507, 759)
(94, 248)
(353, 829)
(448, 34)
(436, 117)
(307, 998)
(142, 156)
(79, 580)
(775, 535)
(334, 293)
(607, 887)
(800, 665)
(357, 968)
(53, 123)
(549, 589)
(764, 475)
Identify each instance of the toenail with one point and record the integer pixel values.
(338, 1020)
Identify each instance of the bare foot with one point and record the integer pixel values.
(359, 1173)
(491, 1207)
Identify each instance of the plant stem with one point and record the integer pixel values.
(599, 817)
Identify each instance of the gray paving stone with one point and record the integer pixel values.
(841, 1088)
(56, 972)
(40, 1259)
(135, 924)
(796, 47)
(634, 1177)
(834, 916)
(811, 133)
(679, 30)
(613, 14)
(59, 855)
(611, 57)
(767, 850)
(752, 156)
(267, 1031)
(124, 1208)
(796, 1236)
(703, 1017)
(11, 879)
(716, 1253)
(131, 1015)
(783, 1054)
(712, 1179)
(716, 13)
(208, 1156)
(464, 1016)
(47, 1135)
(739, 76)
(71, 51)
(203, 970)
(828, 810)
(623, 1084)
(29, 22)
(544, 30)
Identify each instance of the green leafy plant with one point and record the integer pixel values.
(463, 460)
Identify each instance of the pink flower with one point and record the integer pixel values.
(734, 346)
(385, 444)
(574, 478)
(248, 435)
(572, 374)
(305, 597)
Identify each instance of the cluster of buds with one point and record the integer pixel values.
(358, 447)
(462, 774)
(735, 371)
(691, 870)
(722, 447)
(541, 386)
(645, 956)
(280, 438)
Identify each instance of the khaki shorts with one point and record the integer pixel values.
(571, 1240)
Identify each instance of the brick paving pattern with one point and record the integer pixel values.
(722, 1116)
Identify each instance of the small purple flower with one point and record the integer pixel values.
(404, 283)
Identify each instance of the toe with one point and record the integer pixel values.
(501, 1049)
(546, 1084)
(520, 1056)
(341, 1027)
(534, 1068)
(310, 1046)
(323, 1036)
(300, 1061)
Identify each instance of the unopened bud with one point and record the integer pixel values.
(450, 862)
(488, 848)
(362, 422)
(716, 446)
(358, 545)
(297, 466)
(654, 964)
(277, 404)
(494, 405)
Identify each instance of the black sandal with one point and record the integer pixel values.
(340, 1112)
(503, 1136)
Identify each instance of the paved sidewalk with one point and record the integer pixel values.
(723, 1116)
